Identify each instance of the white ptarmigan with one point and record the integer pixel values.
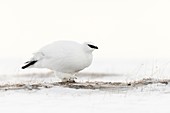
(66, 57)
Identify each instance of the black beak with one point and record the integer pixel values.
(96, 47)
(92, 46)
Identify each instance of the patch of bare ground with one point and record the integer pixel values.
(85, 85)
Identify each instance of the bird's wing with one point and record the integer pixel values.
(37, 56)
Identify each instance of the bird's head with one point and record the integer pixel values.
(89, 46)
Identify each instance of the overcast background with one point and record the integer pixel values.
(121, 28)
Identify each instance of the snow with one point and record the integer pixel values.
(153, 98)
(71, 100)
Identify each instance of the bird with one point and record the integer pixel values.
(65, 58)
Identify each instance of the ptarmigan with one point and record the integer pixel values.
(66, 57)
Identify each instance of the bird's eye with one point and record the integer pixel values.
(92, 46)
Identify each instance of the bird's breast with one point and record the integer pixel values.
(79, 62)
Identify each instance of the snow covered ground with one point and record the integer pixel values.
(153, 98)
(66, 100)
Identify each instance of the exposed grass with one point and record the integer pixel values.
(84, 85)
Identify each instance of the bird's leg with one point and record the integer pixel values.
(57, 75)
(65, 77)
(69, 80)
(72, 78)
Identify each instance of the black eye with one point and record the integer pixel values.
(92, 46)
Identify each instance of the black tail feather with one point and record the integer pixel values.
(29, 63)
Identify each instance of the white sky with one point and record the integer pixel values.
(120, 28)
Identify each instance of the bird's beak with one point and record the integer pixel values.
(92, 46)
(96, 47)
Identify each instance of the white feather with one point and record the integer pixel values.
(64, 56)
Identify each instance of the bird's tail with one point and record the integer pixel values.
(29, 63)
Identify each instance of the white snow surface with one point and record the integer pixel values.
(66, 100)
(154, 98)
